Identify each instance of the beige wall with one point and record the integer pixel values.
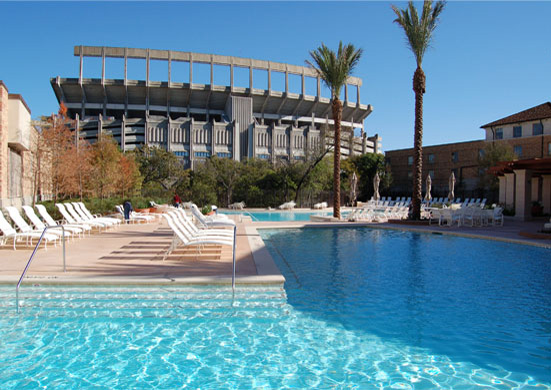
(526, 129)
(16, 139)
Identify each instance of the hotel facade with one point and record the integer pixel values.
(17, 137)
(528, 133)
(198, 120)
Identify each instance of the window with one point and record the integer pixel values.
(481, 171)
(517, 131)
(537, 129)
(481, 153)
(179, 153)
(410, 160)
(410, 175)
(431, 158)
(455, 156)
(499, 133)
(518, 150)
(549, 148)
(224, 155)
(263, 156)
(299, 158)
(431, 174)
(202, 154)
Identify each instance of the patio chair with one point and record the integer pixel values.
(25, 229)
(69, 217)
(40, 226)
(210, 221)
(81, 209)
(134, 217)
(75, 228)
(183, 238)
(181, 219)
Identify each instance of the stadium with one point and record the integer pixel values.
(199, 120)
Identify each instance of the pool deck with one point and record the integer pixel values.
(133, 254)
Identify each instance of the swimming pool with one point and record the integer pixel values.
(362, 308)
(280, 216)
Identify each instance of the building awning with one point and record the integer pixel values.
(538, 166)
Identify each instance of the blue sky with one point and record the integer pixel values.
(489, 59)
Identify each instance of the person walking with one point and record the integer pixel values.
(127, 206)
(176, 200)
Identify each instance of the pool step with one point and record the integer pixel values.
(187, 302)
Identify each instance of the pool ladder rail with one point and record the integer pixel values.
(32, 258)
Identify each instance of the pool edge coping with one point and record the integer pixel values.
(424, 230)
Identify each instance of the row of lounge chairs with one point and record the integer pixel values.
(188, 234)
(467, 216)
(378, 214)
(77, 220)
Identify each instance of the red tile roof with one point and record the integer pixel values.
(543, 111)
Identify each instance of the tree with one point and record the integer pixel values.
(158, 166)
(226, 173)
(334, 70)
(419, 33)
(129, 178)
(366, 166)
(56, 152)
(105, 166)
(492, 154)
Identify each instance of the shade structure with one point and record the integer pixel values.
(353, 188)
(451, 184)
(428, 196)
(376, 181)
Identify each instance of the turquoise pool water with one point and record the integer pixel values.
(362, 309)
(280, 216)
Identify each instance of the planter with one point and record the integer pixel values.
(143, 211)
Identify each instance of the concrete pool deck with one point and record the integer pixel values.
(133, 254)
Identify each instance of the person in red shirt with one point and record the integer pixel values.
(176, 200)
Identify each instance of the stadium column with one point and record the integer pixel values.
(83, 100)
(191, 139)
(125, 81)
(272, 128)
(77, 130)
(169, 85)
(251, 79)
(123, 135)
(212, 137)
(235, 141)
(103, 81)
(147, 83)
(100, 126)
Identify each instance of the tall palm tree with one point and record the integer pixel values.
(334, 70)
(419, 33)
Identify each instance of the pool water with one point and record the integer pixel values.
(280, 216)
(362, 309)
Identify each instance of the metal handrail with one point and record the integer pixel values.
(32, 257)
(250, 215)
(233, 264)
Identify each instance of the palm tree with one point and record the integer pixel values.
(334, 70)
(419, 33)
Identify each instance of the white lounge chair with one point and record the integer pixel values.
(24, 227)
(40, 226)
(69, 217)
(81, 209)
(183, 238)
(182, 220)
(75, 228)
(212, 221)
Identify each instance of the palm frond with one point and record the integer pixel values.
(419, 30)
(335, 68)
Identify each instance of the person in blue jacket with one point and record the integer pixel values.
(127, 210)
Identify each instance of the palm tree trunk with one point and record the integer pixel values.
(419, 89)
(337, 114)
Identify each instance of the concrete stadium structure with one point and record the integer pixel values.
(196, 121)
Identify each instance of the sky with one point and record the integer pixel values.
(488, 59)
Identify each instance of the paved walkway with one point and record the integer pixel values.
(130, 254)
